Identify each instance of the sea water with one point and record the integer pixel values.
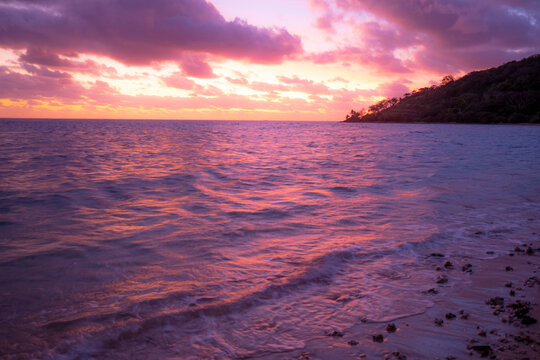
(211, 239)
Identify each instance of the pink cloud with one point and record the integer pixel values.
(39, 85)
(449, 35)
(68, 62)
(137, 32)
(380, 61)
(195, 66)
(179, 81)
(393, 89)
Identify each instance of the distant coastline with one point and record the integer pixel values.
(507, 94)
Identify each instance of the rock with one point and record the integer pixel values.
(391, 328)
(533, 280)
(438, 268)
(448, 265)
(361, 356)
(335, 333)
(378, 338)
(304, 356)
(508, 284)
(483, 350)
(439, 322)
(467, 268)
(527, 320)
(482, 333)
(490, 252)
(509, 268)
(512, 293)
(399, 355)
(442, 279)
(529, 251)
(495, 301)
(518, 249)
(353, 342)
(450, 316)
(464, 314)
(524, 339)
(436, 255)
(520, 312)
(431, 291)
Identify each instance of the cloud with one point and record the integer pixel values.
(380, 61)
(137, 32)
(440, 35)
(40, 84)
(393, 89)
(179, 81)
(195, 66)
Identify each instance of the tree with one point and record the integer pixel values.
(447, 79)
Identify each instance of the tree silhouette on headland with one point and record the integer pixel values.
(507, 94)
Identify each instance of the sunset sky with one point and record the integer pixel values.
(240, 59)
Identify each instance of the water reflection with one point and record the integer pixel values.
(224, 239)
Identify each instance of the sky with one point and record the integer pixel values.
(245, 60)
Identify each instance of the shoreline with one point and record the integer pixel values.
(480, 318)
(436, 123)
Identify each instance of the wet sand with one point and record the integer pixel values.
(493, 315)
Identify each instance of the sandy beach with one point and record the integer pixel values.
(494, 314)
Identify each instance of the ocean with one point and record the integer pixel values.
(228, 239)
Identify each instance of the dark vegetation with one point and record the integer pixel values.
(507, 94)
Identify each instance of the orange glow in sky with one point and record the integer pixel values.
(232, 59)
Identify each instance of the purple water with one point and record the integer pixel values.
(178, 239)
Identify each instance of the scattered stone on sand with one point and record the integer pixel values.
(467, 268)
(533, 280)
(399, 356)
(439, 322)
(431, 291)
(509, 268)
(378, 338)
(335, 333)
(448, 265)
(436, 255)
(520, 313)
(391, 328)
(483, 350)
(495, 301)
(352, 342)
(524, 339)
(442, 279)
(450, 316)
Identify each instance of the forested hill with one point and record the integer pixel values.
(507, 94)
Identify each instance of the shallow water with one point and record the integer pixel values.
(178, 239)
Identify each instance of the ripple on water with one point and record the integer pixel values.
(240, 239)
